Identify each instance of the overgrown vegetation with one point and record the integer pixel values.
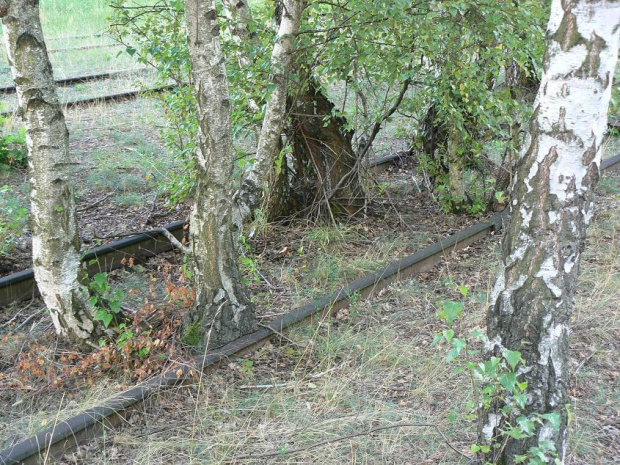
(13, 219)
(466, 71)
(13, 213)
(367, 379)
(496, 386)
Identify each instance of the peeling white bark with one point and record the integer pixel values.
(256, 180)
(551, 209)
(493, 421)
(223, 311)
(56, 243)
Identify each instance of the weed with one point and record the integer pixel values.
(13, 152)
(105, 300)
(497, 386)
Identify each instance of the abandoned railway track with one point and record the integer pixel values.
(119, 96)
(21, 285)
(55, 441)
(81, 79)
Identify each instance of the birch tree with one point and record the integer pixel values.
(223, 310)
(550, 212)
(55, 242)
(256, 181)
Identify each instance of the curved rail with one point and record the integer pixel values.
(56, 440)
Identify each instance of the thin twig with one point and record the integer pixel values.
(269, 285)
(38, 312)
(280, 334)
(174, 241)
(266, 386)
(8, 323)
(97, 202)
(354, 435)
(583, 362)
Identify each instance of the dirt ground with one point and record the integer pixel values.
(120, 165)
(368, 386)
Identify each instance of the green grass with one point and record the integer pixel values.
(135, 171)
(13, 218)
(71, 24)
(65, 18)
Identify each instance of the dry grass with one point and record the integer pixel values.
(373, 366)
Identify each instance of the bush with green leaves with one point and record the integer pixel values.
(13, 153)
(390, 57)
(451, 57)
(156, 35)
(496, 385)
(106, 300)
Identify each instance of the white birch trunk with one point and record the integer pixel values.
(223, 311)
(257, 179)
(55, 243)
(551, 208)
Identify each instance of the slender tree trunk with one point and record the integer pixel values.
(257, 179)
(240, 15)
(551, 208)
(522, 88)
(223, 311)
(56, 243)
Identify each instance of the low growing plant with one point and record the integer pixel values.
(13, 152)
(13, 219)
(496, 385)
(106, 301)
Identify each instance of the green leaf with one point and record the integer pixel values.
(520, 400)
(515, 432)
(457, 347)
(463, 290)
(554, 418)
(101, 314)
(513, 357)
(451, 311)
(508, 381)
(527, 425)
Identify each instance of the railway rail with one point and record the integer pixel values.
(21, 285)
(107, 98)
(56, 440)
(81, 79)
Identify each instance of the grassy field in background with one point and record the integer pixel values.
(69, 24)
(65, 18)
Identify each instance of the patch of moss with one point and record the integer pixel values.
(192, 334)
